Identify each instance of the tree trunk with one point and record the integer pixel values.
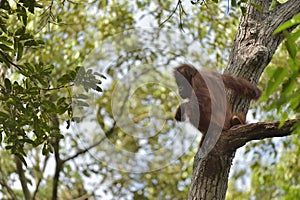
(210, 177)
(252, 50)
(23, 179)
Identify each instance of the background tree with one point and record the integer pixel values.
(53, 55)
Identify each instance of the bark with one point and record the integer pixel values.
(58, 169)
(23, 179)
(237, 137)
(55, 143)
(252, 50)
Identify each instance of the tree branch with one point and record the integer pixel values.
(5, 57)
(22, 177)
(284, 12)
(238, 136)
(278, 16)
(181, 12)
(4, 184)
(58, 167)
(9, 189)
(255, 43)
(40, 178)
(107, 134)
(82, 151)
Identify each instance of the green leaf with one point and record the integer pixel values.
(29, 67)
(7, 84)
(273, 5)
(26, 36)
(20, 51)
(81, 96)
(284, 99)
(31, 43)
(3, 25)
(4, 15)
(81, 103)
(101, 75)
(40, 42)
(289, 86)
(257, 6)
(66, 78)
(99, 89)
(277, 77)
(27, 140)
(58, 19)
(296, 129)
(45, 150)
(30, 5)
(86, 173)
(8, 147)
(295, 35)
(20, 31)
(290, 45)
(61, 109)
(49, 106)
(4, 116)
(21, 11)
(233, 3)
(68, 124)
(33, 91)
(42, 80)
(5, 40)
(61, 101)
(5, 5)
(6, 48)
(48, 70)
(244, 10)
(4, 57)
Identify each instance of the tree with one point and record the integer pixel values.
(252, 50)
(49, 53)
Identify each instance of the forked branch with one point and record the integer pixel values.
(238, 136)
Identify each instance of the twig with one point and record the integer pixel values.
(22, 177)
(46, 17)
(9, 61)
(181, 11)
(82, 151)
(4, 184)
(58, 88)
(40, 178)
(202, 2)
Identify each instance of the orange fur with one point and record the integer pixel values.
(193, 86)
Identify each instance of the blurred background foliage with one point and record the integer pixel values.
(84, 83)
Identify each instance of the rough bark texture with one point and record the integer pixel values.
(237, 137)
(253, 48)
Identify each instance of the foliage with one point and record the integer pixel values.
(29, 100)
(54, 55)
(285, 75)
